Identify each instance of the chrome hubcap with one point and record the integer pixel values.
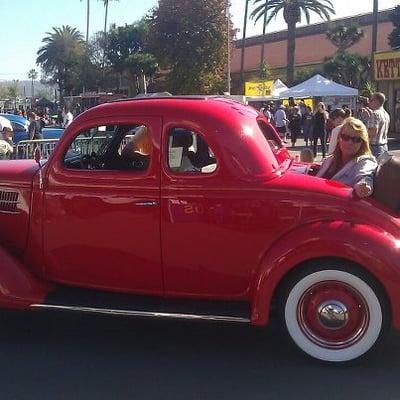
(333, 314)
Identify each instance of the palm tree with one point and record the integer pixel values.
(292, 12)
(105, 2)
(64, 48)
(87, 19)
(32, 74)
(344, 37)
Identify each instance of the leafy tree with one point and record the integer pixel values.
(348, 69)
(127, 54)
(343, 36)
(394, 36)
(191, 40)
(292, 13)
(265, 71)
(13, 91)
(3, 91)
(46, 93)
(61, 55)
(304, 73)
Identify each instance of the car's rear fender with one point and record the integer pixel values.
(19, 288)
(371, 248)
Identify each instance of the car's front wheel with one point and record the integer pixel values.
(334, 315)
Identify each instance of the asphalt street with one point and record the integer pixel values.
(71, 356)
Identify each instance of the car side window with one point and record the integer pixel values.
(188, 152)
(112, 147)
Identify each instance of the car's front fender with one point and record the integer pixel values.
(19, 288)
(370, 247)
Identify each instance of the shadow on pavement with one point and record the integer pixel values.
(67, 356)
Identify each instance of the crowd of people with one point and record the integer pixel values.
(323, 124)
(356, 143)
(37, 121)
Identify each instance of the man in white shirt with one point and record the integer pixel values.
(67, 117)
(378, 125)
(281, 121)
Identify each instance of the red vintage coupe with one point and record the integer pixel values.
(192, 208)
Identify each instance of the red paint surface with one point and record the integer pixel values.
(232, 234)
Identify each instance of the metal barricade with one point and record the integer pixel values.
(25, 149)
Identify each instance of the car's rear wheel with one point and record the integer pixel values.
(334, 315)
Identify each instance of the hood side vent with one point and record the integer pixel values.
(8, 201)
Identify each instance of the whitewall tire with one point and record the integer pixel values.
(333, 315)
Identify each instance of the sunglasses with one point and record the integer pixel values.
(347, 138)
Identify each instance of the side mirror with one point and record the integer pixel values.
(37, 155)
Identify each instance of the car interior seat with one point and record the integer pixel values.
(182, 139)
(387, 183)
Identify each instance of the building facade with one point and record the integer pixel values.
(312, 47)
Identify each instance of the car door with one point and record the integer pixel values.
(205, 242)
(215, 227)
(102, 219)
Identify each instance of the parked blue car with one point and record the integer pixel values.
(20, 126)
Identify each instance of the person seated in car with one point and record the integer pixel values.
(136, 153)
(352, 162)
(6, 143)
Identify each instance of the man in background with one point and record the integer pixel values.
(67, 117)
(281, 121)
(378, 125)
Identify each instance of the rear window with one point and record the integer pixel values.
(271, 136)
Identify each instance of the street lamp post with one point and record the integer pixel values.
(228, 43)
(375, 16)
(244, 42)
(263, 36)
(375, 26)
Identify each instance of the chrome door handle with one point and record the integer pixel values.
(146, 203)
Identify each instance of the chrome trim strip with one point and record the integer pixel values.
(149, 314)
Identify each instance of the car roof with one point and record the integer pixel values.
(15, 118)
(232, 125)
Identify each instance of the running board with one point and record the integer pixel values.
(146, 314)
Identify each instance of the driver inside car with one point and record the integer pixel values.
(136, 153)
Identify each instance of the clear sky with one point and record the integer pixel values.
(25, 23)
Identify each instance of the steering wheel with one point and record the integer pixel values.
(91, 161)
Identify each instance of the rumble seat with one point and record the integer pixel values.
(387, 183)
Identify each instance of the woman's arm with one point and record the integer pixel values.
(364, 177)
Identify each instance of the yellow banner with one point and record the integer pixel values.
(387, 65)
(261, 88)
(307, 101)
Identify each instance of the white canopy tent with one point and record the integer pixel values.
(278, 87)
(318, 86)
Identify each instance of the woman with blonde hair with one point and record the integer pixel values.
(352, 162)
(136, 153)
